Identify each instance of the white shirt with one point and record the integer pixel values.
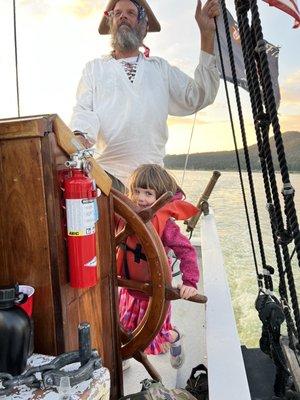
(126, 120)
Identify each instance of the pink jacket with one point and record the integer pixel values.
(173, 239)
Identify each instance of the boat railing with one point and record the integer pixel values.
(227, 378)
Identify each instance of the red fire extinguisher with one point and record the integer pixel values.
(80, 195)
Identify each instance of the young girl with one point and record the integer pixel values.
(147, 184)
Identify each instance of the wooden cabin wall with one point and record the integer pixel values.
(32, 241)
(33, 250)
(25, 253)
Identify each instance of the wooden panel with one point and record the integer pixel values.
(52, 161)
(25, 127)
(292, 361)
(73, 305)
(109, 297)
(71, 320)
(90, 311)
(24, 231)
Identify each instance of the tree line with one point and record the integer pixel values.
(226, 160)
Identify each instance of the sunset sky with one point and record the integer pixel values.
(57, 37)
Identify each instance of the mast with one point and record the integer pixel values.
(16, 57)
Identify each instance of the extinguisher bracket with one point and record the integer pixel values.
(79, 160)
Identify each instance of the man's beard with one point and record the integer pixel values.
(125, 38)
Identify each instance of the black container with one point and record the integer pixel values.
(15, 332)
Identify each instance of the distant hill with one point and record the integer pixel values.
(226, 160)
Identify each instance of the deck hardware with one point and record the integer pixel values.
(52, 372)
(284, 236)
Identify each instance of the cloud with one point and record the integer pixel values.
(182, 121)
(290, 89)
(290, 122)
(76, 8)
(189, 121)
(37, 7)
(84, 8)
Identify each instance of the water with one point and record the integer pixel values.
(227, 203)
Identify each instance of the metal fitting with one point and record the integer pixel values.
(288, 189)
(79, 160)
(260, 46)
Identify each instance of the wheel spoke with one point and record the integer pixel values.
(144, 287)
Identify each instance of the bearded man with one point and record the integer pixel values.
(124, 98)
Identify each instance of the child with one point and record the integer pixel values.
(147, 184)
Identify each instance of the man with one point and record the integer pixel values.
(124, 99)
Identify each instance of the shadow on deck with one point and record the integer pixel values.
(260, 372)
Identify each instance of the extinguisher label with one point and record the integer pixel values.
(91, 263)
(80, 217)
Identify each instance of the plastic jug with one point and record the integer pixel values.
(15, 331)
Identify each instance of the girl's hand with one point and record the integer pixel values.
(187, 291)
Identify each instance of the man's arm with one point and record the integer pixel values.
(85, 121)
(188, 95)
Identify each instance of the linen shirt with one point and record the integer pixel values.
(127, 121)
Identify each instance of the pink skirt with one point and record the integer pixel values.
(132, 311)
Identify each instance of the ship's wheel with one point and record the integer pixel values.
(159, 288)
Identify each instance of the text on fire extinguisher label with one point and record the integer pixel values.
(80, 217)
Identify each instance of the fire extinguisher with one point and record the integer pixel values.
(80, 194)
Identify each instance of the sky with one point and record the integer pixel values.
(57, 37)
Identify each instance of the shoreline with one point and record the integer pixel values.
(226, 170)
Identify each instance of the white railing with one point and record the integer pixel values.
(226, 370)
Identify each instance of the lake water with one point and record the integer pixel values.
(227, 203)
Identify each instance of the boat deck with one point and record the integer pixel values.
(189, 318)
(261, 379)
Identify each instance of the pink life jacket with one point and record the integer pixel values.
(131, 261)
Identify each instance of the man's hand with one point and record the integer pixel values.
(82, 139)
(187, 291)
(205, 19)
(205, 15)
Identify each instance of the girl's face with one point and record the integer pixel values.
(144, 197)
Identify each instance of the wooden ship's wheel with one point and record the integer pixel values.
(159, 289)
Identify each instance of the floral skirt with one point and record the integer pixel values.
(132, 311)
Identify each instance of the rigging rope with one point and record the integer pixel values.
(264, 112)
(236, 151)
(181, 185)
(262, 130)
(288, 191)
(188, 153)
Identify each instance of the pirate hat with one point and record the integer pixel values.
(154, 25)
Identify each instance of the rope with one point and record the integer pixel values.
(288, 190)
(16, 57)
(261, 128)
(188, 153)
(235, 144)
